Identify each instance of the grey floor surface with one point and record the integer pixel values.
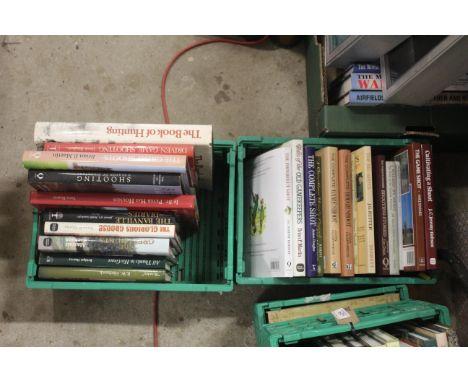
(239, 90)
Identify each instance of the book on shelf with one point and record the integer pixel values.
(364, 211)
(380, 335)
(310, 211)
(46, 272)
(345, 197)
(382, 256)
(200, 136)
(318, 178)
(92, 181)
(330, 210)
(394, 225)
(429, 207)
(268, 236)
(298, 227)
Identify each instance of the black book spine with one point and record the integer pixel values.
(103, 216)
(129, 182)
(137, 262)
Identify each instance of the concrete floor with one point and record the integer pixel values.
(239, 90)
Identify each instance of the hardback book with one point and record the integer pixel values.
(393, 180)
(109, 229)
(184, 206)
(130, 148)
(405, 333)
(128, 182)
(451, 98)
(46, 272)
(361, 98)
(364, 211)
(200, 136)
(268, 232)
(452, 338)
(310, 212)
(308, 310)
(298, 225)
(59, 160)
(137, 262)
(382, 256)
(429, 208)
(330, 210)
(384, 337)
(345, 194)
(108, 216)
(367, 340)
(115, 246)
(413, 258)
(355, 82)
(431, 331)
(318, 178)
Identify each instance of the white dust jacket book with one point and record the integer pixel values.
(392, 216)
(200, 136)
(268, 215)
(298, 226)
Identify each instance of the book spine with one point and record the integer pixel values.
(113, 217)
(365, 97)
(392, 215)
(184, 206)
(297, 162)
(198, 135)
(330, 210)
(364, 210)
(130, 182)
(102, 274)
(117, 246)
(318, 173)
(451, 98)
(418, 213)
(310, 202)
(345, 212)
(187, 150)
(366, 82)
(354, 211)
(429, 208)
(382, 256)
(140, 262)
(113, 230)
(399, 199)
(289, 243)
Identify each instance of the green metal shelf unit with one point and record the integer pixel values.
(290, 332)
(251, 146)
(207, 261)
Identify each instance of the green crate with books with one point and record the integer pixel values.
(318, 211)
(131, 207)
(378, 317)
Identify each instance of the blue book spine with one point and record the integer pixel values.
(363, 68)
(310, 199)
(365, 97)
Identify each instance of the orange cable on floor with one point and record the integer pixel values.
(179, 54)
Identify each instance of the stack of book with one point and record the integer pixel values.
(455, 94)
(115, 200)
(310, 212)
(411, 333)
(359, 85)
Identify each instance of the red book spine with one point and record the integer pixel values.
(429, 207)
(416, 173)
(183, 206)
(128, 148)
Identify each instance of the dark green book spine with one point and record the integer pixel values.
(318, 172)
(138, 262)
(102, 274)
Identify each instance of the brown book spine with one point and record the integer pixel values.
(429, 211)
(382, 256)
(346, 210)
(419, 205)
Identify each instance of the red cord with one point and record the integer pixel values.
(166, 120)
(190, 47)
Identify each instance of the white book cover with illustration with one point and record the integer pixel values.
(268, 215)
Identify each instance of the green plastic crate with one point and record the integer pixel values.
(251, 146)
(292, 331)
(207, 261)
